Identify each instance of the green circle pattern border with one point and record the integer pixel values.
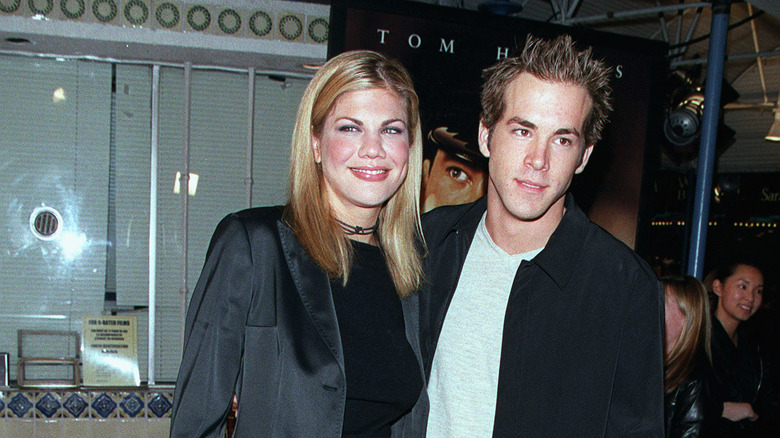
(159, 11)
(206, 14)
(293, 19)
(104, 18)
(73, 15)
(221, 21)
(13, 7)
(45, 11)
(268, 23)
(136, 21)
(313, 30)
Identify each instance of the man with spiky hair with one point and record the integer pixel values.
(534, 320)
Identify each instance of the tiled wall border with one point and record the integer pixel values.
(29, 404)
(182, 16)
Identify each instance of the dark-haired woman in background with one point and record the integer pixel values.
(751, 403)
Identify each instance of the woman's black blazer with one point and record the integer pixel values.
(262, 324)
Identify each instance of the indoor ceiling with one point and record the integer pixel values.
(754, 28)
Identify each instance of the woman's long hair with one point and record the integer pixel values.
(309, 213)
(691, 296)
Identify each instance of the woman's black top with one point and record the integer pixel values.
(383, 376)
(742, 375)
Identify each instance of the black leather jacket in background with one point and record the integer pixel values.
(692, 410)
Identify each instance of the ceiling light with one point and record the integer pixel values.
(774, 130)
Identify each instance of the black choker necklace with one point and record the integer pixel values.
(351, 230)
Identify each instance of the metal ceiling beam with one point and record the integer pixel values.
(700, 61)
(610, 16)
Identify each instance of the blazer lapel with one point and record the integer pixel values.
(313, 286)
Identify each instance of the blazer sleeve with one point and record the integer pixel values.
(636, 408)
(214, 335)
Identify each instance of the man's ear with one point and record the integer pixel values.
(426, 170)
(315, 146)
(584, 159)
(483, 137)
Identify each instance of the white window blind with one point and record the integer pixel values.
(63, 147)
(55, 122)
(276, 105)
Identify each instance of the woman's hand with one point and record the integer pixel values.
(739, 411)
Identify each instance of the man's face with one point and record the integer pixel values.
(536, 148)
(450, 180)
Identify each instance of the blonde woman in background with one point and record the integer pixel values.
(305, 312)
(689, 407)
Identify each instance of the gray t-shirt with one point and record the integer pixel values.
(464, 375)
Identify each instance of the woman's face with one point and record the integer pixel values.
(363, 150)
(675, 320)
(740, 294)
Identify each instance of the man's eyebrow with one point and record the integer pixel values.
(522, 122)
(568, 131)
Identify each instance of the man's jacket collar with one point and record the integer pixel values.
(562, 249)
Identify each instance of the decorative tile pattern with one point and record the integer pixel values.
(168, 15)
(75, 405)
(317, 30)
(131, 405)
(104, 405)
(290, 27)
(72, 9)
(20, 406)
(182, 15)
(2, 403)
(199, 18)
(137, 13)
(39, 7)
(48, 406)
(230, 21)
(10, 7)
(260, 24)
(160, 405)
(105, 11)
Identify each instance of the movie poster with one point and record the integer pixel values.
(445, 50)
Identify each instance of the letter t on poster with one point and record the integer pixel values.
(110, 351)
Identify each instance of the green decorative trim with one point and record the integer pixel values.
(265, 28)
(43, 11)
(10, 8)
(287, 20)
(73, 15)
(318, 30)
(161, 9)
(138, 5)
(223, 16)
(206, 18)
(104, 18)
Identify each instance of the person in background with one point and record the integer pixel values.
(689, 406)
(454, 173)
(535, 322)
(305, 312)
(742, 376)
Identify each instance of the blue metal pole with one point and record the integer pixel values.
(701, 206)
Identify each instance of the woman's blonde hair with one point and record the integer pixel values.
(691, 296)
(309, 213)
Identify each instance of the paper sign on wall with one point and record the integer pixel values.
(110, 351)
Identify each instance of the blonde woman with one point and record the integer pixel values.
(306, 312)
(690, 408)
